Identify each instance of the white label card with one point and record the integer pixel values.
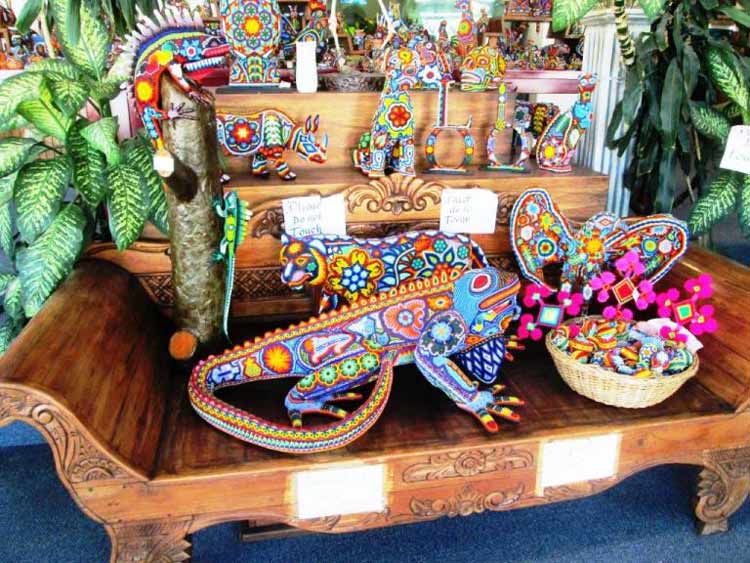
(314, 215)
(346, 490)
(468, 211)
(737, 152)
(578, 459)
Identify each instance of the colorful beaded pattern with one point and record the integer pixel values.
(422, 323)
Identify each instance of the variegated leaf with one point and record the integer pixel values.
(9, 329)
(743, 206)
(43, 115)
(709, 122)
(49, 260)
(719, 201)
(39, 189)
(728, 79)
(7, 244)
(127, 204)
(15, 90)
(89, 52)
(102, 135)
(13, 301)
(13, 153)
(60, 67)
(567, 12)
(140, 156)
(69, 95)
(89, 166)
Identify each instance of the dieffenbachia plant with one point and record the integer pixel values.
(727, 191)
(68, 172)
(566, 13)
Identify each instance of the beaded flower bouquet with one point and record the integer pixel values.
(643, 346)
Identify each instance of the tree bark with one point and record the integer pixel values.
(195, 228)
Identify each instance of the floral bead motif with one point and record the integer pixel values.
(445, 334)
(355, 274)
(406, 319)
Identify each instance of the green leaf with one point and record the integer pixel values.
(7, 245)
(709, 4)
(140, 157)
(719, 201)
(664, 200)
(102, 135)
(59, 67)
(69, 95)
(39, 189)
(743, 206)
(17, 89)
(45, 116)
(13, 153)
(27, 16)
(14, 122)
(6, 188)
(9, 329)
(739, 16)
(691, 69)
(13, 301)
(5, 279)
(73, 23)
(105, 89)
(671, 103)
(567, 12)
(727, 80)
(127, 204)
(49, 260)
(709, 122)
(652, 8)
(89, 166)
(89, 52)
(631, 99)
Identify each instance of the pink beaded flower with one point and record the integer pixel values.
(646, 295)
(630, 265)
(571, 302)
(666, 301)
(704, 320)
(674, 334)
(603, 284)
(528, 328)
(612, 313)
(535, 294)
(700, 287)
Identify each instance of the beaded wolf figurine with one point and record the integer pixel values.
(353, 268)
(558, 143)
(265, 135)
(422, 323)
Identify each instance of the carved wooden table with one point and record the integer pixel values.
(91, 372)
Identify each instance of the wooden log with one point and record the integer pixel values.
(195, 228)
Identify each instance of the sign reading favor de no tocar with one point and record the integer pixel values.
(314, 215)
(470, 211)
(737, 152)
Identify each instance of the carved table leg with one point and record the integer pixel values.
(723, 487)
(154, 541)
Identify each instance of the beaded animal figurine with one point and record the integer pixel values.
(482, 68)
(265, 135)
(466, 32)
(253, 28)
(348, 268)
(541, 235)
(442, 125)
(521, 125)
(558, 143)
(423, 323)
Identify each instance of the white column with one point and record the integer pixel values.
(601, 55)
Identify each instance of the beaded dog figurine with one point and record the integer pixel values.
(558, 143)
(253, 28)
(351, 268)
(265, 135)
(422, 323)
(541, 235)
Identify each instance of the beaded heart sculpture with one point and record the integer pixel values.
(422, 323)
(349, 268)
(541, 236)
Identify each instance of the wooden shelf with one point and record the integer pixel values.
(525, 18)
(135, 456)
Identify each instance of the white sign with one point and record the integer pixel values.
(578, 459)
(314, 215)
(468, 211)
(737, 153)
(346, 490)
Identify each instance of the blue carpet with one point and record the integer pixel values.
(646, 518)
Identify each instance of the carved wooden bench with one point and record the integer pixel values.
(91, 371)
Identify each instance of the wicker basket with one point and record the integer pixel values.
(615, 389)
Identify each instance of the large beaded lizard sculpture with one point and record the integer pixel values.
(332, 355)
(266, 134)
(349, 268)
(177, 44)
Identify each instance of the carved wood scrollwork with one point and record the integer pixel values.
(467, 502)
(395, 194)
(151, 542)
(723, 486)
(79, 460)
(468, 464)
